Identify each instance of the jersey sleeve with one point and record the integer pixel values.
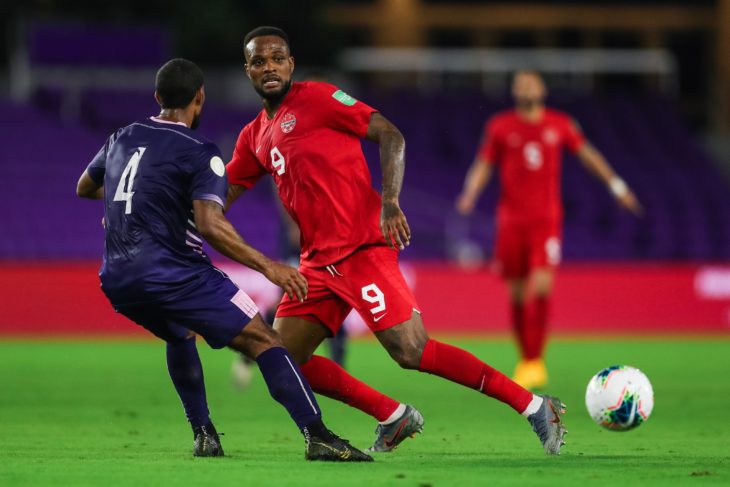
(341, 111)
(244, 169)
(490, 149)
(208, 175)
(573, 137)
(97, 167)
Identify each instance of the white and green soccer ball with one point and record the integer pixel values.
(619, 398)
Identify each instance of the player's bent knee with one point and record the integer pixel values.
(300, 337)
(407, 354)
(408, 358)
(542, 282)
(405, 342)
(255, 338)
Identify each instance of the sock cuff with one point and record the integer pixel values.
(534, 406)
(314, 362)
(185, 342)
(395, 414)
(268, 355)
(428, 356)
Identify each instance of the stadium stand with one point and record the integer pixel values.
(687, 209)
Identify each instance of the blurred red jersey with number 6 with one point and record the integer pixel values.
(529, 215)
(528, 155)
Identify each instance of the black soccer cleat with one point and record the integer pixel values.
(206, 442)
(328, 447)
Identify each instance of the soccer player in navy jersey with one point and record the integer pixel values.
(164, 189)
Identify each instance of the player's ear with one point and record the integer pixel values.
(248, 71)
(157, 98)
(291, 64)
(200, 96)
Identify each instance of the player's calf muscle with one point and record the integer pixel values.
(256, 338)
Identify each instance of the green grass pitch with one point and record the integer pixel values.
(104, 413)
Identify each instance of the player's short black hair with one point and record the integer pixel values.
(177, 81)
(265, 30)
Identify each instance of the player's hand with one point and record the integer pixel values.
(630, 202)
(394, 225)
(289, 279)
(465, 204)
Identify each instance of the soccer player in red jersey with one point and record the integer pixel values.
(307, 138)
(525, 145)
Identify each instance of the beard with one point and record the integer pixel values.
(528, 103)
(196, 122)
(274, 97)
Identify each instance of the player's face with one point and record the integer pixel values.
(528, 90)
(269, 65)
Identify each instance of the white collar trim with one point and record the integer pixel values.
(159, 120)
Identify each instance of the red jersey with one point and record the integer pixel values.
(312, 150)
(528, 155)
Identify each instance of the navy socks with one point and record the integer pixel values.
(288, 386)
(285, 381)
(186, 372)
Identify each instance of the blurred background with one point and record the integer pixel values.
(648, 81)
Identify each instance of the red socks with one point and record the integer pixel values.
(460, 366)
(329, 379)
(540, 320)
(518, 325)
(531, 328)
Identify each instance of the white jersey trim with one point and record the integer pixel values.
(169, 130)
(159, 120)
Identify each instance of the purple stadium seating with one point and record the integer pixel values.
(687, 209)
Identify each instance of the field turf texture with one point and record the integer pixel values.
(104, 413)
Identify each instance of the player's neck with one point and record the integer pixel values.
(272, 106)
(274, 103)
(177, 115)
(532, 114)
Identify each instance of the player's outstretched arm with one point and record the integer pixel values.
(219, 232)
(234, 192)
(393, 222)
(476, 180)
(88, 188)
(594, 161)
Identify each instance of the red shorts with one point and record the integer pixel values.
(522, 247)
(369, 280)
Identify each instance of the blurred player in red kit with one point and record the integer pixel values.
(525, 146)
(307, 138)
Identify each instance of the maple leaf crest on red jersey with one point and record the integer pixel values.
(288, 123)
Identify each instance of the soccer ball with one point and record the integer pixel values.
(619, 398)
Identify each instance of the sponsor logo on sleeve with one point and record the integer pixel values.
(344, 98)
(217, 166)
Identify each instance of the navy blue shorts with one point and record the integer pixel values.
(217, 310)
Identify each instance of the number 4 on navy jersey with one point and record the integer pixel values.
(124, 190)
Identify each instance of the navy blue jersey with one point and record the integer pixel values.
(152, 170)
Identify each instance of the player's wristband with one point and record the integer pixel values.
(618, 187)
